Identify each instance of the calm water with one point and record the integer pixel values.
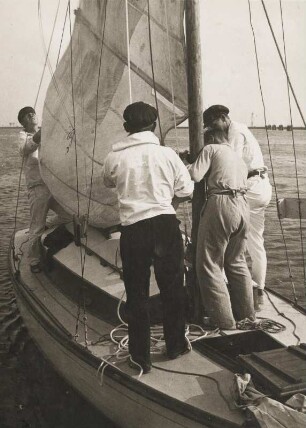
(31, 393)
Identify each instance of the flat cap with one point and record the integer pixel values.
(213, 112)
(24, 111)
(140, 115)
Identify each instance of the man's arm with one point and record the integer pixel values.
(183, 185)
(176, 201)
(238, 143)
(199, 168)
(108, 172)
(27, 144)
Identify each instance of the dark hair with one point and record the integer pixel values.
(210, 136)
(23, 112)
(134, 129)
(214, 112)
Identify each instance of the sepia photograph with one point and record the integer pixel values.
(153, 207)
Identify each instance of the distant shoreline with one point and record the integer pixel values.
(186, 127)
(262, 127)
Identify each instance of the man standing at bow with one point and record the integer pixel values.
(147, 177)
(39, 195)
(259, 189)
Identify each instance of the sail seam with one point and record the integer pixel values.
(72, 188)
(140, 73)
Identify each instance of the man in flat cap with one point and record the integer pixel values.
(147, 176)
(259, 188)
(39, 195)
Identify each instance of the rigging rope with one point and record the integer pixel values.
(293, 146)
(60, 47)
(96, 114)
(128, 48)
(74, 139)
(270, 156)
(60, 96)
(153, 74)
(15, 256)
(170, 74)
(285, 317)
(73, 110)
(48, 51)
(185, 204)
(282, 61)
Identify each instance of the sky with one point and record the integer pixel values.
(228, 59)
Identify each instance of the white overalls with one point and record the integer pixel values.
(258, 196)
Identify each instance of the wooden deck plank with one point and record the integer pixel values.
(70, 258)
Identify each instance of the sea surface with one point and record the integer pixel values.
(31, 393)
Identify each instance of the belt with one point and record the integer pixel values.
(260, 171)
(230, 192)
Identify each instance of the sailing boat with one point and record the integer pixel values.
(75, 312)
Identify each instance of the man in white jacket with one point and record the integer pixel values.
(39, 195)
(147, 177)
(259, 190)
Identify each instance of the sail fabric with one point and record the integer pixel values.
(265, 412)
(83, 110)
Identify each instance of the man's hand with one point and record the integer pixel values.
(176, 200)
(37, 137)
(185, 157)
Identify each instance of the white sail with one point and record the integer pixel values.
(85, 101)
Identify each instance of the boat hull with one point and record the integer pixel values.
(134, 410)
(121, 398)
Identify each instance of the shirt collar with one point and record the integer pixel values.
(145, 137)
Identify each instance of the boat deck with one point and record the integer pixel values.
(208, 387)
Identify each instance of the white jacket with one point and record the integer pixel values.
(246, 145)
(146, 176)
(28, 149)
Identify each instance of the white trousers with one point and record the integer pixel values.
(41, 201)
(258, 196)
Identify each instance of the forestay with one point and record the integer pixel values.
(82, 114)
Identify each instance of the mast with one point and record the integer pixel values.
(195, 108)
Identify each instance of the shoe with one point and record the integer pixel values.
(36, 268)
(174, 355)
(146, 368)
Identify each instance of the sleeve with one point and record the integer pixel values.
(183, 185)
(238, 144)
(244, 144)
(26, 144)
(108, 172)
(199, 168)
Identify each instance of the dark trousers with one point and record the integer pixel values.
(156, 241)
